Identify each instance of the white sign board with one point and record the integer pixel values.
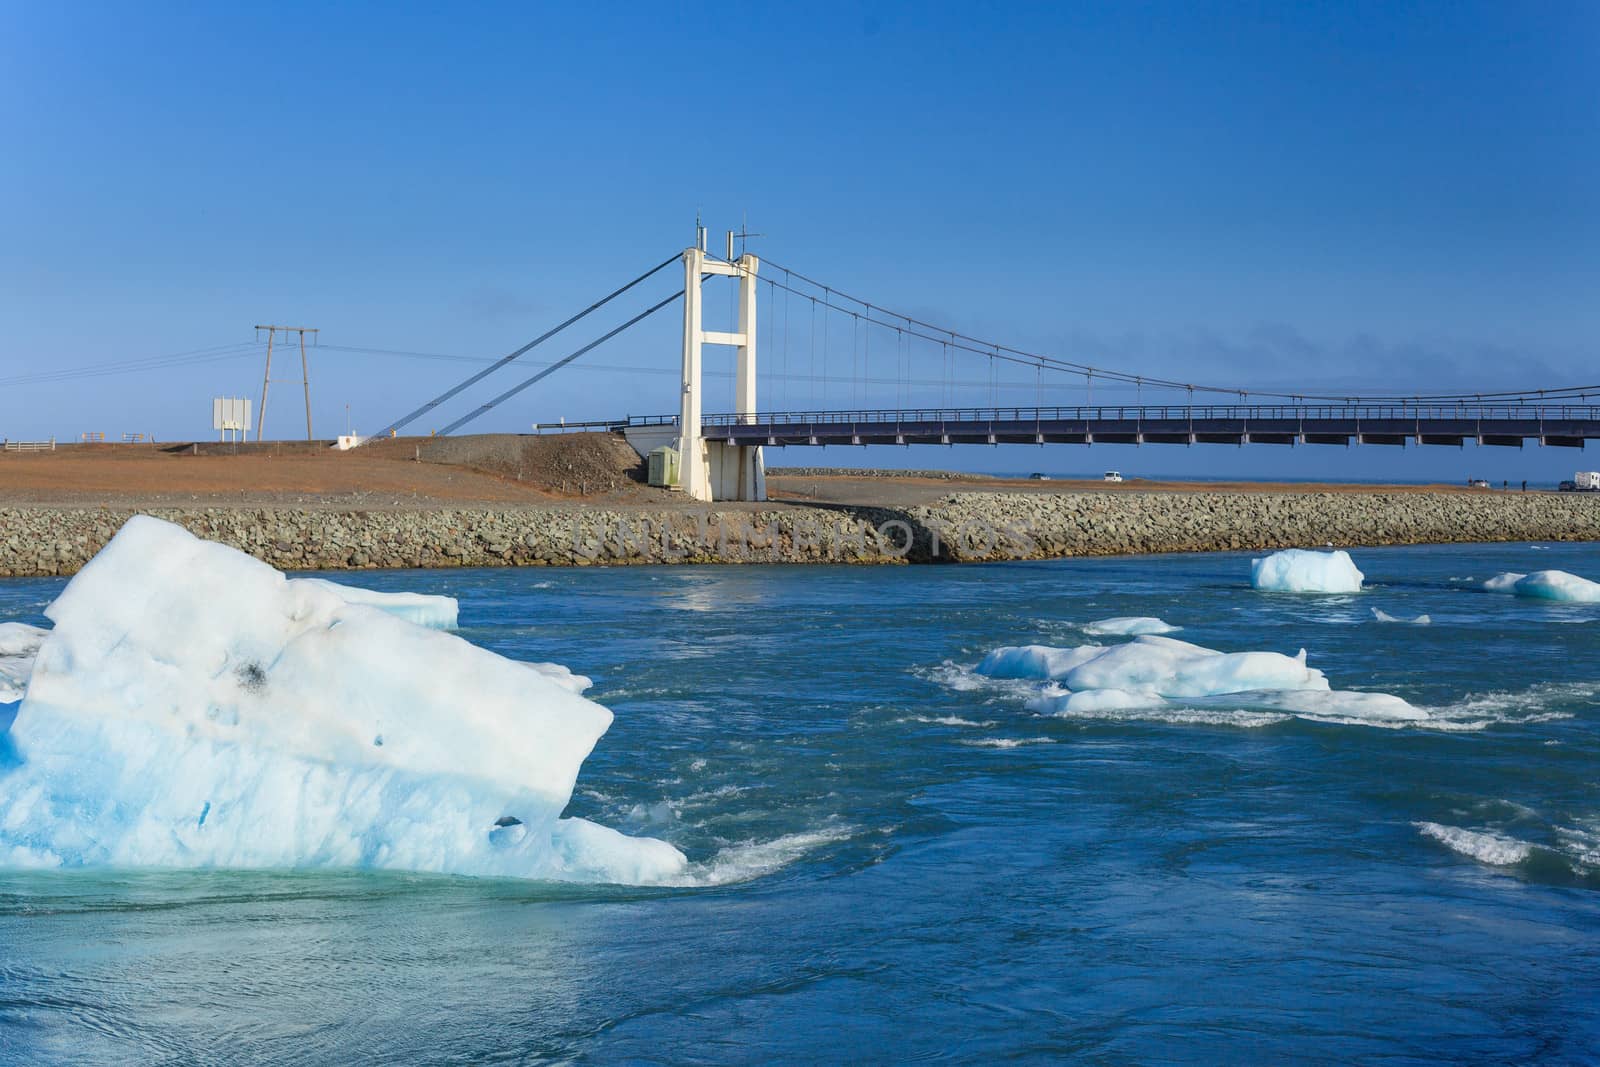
(230, 413)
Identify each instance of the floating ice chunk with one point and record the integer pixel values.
(1036, 661)
(1093, 700)
(1296, 570)
(19, 644)
(1384, 616)
(1172, 668)
(1496, 850)
(1505, 582)
(1162, 666)
(424, 609)
(1175, 681)
(281, 725)
(1129, 625)
(562, 676)
(1342, 704)
(1546, 585)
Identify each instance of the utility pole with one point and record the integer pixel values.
(305, 372)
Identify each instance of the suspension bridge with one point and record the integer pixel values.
(891, 353)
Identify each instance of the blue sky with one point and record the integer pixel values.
(1339, 196)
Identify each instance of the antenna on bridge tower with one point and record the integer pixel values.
(743, 235)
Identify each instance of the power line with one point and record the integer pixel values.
(211, 354)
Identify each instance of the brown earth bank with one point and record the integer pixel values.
(497, 469)
(505, 500)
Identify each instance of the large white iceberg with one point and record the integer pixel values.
(1547, 585)
(194, 707)
(1297, 570)
(1152, 672)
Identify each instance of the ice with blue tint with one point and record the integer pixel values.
(1129, 625)
(1152, 671)
(1546, 585)
(1297, 570)
(193, 707)
(1379, 615)
(424, 609)
(19, 645)
(1163, 666)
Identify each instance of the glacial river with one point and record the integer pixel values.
(895, 859)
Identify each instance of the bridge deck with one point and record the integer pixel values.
(1557, 425)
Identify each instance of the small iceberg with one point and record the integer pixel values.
(1129, 626)
(1558, 586)
(1152, 672)
(194, 707)
(1298, 570)
(1162, 666)
(1380, 615)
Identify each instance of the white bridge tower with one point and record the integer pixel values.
(716, 470)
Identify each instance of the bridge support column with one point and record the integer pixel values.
(692, 473)
(715, 470)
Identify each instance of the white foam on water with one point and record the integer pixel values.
(1297, 570)
(1524, 707)
(750, 860)
(1581, 845)
(1380, 615)
(289, 724)
(1008, 742)
(1129, 626)
(947, 720)
(1496, 850)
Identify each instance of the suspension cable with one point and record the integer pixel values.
(481, 375)
(967, 343)
(558, 364)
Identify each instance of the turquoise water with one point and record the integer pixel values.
(900, 861)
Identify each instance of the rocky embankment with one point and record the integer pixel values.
(963, 527)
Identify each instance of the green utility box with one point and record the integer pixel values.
(664, 467)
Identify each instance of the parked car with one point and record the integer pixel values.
(1477, 483)
(1113, 476)
(1036, 476)
(1567, 487)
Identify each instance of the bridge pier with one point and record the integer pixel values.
(717, 470)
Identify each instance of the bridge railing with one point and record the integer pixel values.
(1403, 412)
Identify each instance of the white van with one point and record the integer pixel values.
(1113, 476)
